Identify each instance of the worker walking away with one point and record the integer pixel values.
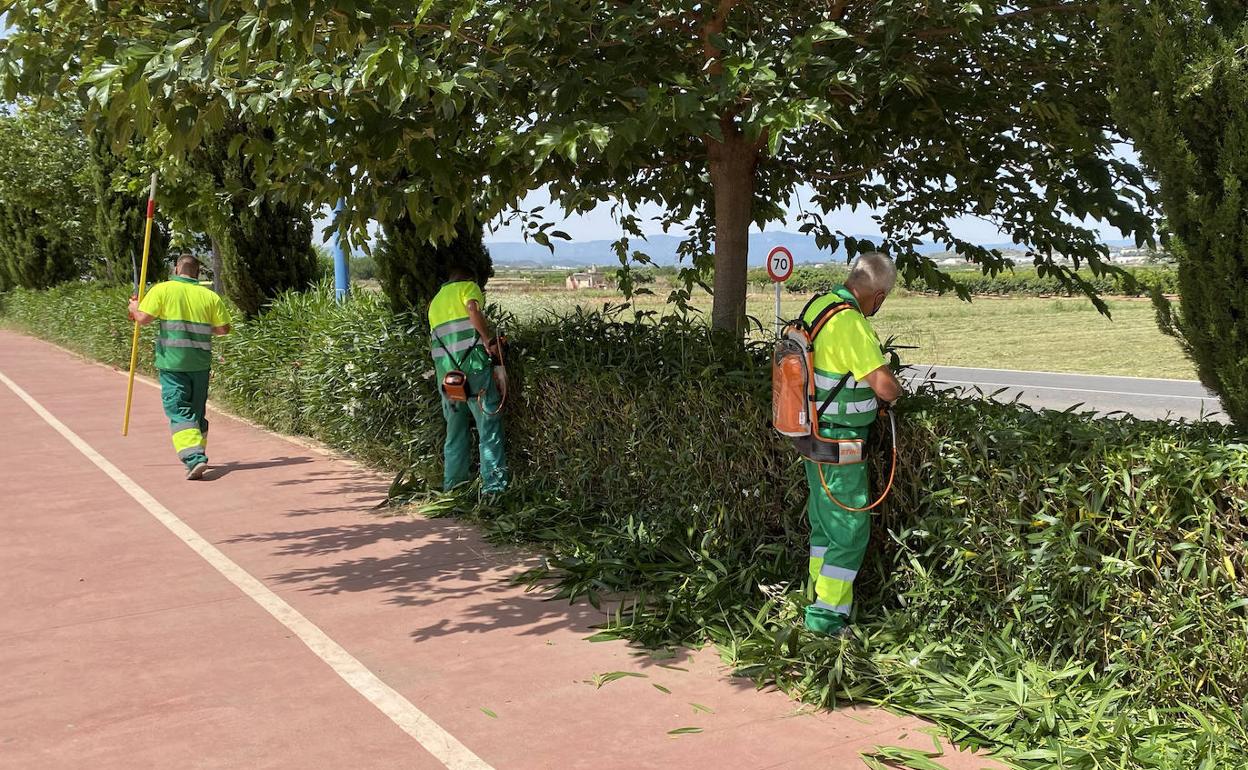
(465, 352)
(189, 316)
(851, 382)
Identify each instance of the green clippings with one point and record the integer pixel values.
(489, 713)
(604, 636)
(662, 689)
(700, 707)
(899, 757)
(600, 679)
(685, 731)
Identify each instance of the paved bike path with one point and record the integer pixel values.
(125, 642)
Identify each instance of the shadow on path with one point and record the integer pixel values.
(439, 575)
(224, 469)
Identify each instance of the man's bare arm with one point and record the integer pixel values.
(479, 322)
(885, 384)
(138, 315)
(221, 330)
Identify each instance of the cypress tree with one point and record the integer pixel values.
(266, 251)
(120, 220)
(1182, 67)
(264, 243)
(411, 269)
(35, 252)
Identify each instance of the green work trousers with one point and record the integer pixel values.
(185, 397)
(457, 451)
(838, 541)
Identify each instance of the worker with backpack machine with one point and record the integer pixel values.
(468, 361)
(829, 383)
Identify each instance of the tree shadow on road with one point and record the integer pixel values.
(437, 575)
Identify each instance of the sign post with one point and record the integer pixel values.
(779, 268)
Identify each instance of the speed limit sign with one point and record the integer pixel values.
(779, 264)
(779, 268)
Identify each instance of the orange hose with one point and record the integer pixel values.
(481, 402)
(892, 474)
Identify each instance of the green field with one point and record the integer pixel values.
(1050, 334)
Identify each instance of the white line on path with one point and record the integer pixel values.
(437, 741)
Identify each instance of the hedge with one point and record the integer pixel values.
(1065, 591)
(1025, 282)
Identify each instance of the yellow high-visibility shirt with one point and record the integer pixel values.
(847, 348)
(187, 313)
(455, 343)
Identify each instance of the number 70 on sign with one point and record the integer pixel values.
(779, 269)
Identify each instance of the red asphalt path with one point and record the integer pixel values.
(121, 647)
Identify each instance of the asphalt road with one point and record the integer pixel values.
(1152, 399)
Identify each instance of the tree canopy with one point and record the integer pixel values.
(925, 109)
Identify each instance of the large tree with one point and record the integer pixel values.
(46, 201)
(926, 109)
(1182, 66)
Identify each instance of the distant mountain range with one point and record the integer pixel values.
(662, 250)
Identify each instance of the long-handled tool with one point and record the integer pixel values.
(134, 340)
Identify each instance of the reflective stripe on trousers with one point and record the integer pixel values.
(838, 542)
(184, 396)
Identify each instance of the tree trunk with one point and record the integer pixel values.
(732, 164)
(218, 267)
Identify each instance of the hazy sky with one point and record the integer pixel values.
(598, 225)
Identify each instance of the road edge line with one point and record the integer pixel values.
(429, 734)
(1060, 374)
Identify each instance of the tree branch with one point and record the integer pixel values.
(714, 25)
(825, 176)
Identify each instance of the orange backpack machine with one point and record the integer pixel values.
(795, 411)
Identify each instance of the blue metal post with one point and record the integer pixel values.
(342, 272)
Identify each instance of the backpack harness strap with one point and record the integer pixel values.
(815, 327)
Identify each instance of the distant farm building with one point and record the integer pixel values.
(590, 279)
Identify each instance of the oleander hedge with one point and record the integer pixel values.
(1065, 591)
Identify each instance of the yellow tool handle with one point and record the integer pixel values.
(134, 340)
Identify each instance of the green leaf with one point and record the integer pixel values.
(600, 679)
